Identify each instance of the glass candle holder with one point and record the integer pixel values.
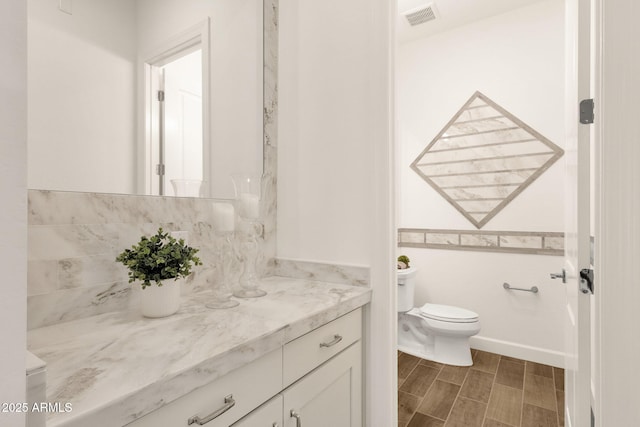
(247, 201)
(247, 195)
(226, 262)
(223, 221)
(187, 187)
(249, 247)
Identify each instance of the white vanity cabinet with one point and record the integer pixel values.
(329, 396)
(323, 375)
(313, 381)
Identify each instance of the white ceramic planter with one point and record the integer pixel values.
(161, 301)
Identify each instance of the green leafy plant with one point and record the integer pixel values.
(404, 259)
(159, 257)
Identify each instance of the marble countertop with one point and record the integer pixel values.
(116, 367)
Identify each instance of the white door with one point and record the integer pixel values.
(577, 218)
(175, 131)
(183, 147)
(330, 396)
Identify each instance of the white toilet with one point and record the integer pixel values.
(434, 332)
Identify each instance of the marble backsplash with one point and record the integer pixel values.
(353, 275)
(73, 239)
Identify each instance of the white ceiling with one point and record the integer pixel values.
(451, 13)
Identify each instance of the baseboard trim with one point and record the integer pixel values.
(525, 352)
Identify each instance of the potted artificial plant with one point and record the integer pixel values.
(403, 262)
(159, 263)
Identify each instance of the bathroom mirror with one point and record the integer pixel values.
(105, 114)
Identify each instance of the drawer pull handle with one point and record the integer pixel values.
(296, 415)
(229, 402)
(336, 339)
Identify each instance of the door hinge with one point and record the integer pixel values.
(161, 96)
(586, 281)
(586, 111)
(160, 169)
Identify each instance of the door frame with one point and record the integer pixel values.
(193, 38)
(617, 206)
(578, 324)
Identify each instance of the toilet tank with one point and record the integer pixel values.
(406, 288)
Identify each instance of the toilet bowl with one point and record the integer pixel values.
(435, 332)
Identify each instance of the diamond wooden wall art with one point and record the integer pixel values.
(483, 158)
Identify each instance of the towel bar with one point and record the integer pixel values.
(533, 289)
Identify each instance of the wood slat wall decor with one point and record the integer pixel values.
(483, 158)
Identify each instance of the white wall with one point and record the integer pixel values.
(617, 227)
(236, 76)
(334, 159)
(324, 159)
(82, 118)
(513, 323)
(516, 59)
(13, 215)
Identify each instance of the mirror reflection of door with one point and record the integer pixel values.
(177, 107)
(183, 149)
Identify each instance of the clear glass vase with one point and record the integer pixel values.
(249, 247)
(187, 187)
(247, 204)
(226, 264)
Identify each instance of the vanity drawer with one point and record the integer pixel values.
(249, 386)
(316, 347)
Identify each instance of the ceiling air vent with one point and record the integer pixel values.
(421, 14)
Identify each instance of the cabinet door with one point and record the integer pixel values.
(331, 395)
(268, 415)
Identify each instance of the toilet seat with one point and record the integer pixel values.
(447, 313)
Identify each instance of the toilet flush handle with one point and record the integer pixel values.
(562, 276)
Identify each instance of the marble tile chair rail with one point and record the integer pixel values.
(525, 242)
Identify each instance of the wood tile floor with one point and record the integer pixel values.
(497, 391)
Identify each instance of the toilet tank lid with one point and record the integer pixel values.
(407, 272)
(444, 312)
